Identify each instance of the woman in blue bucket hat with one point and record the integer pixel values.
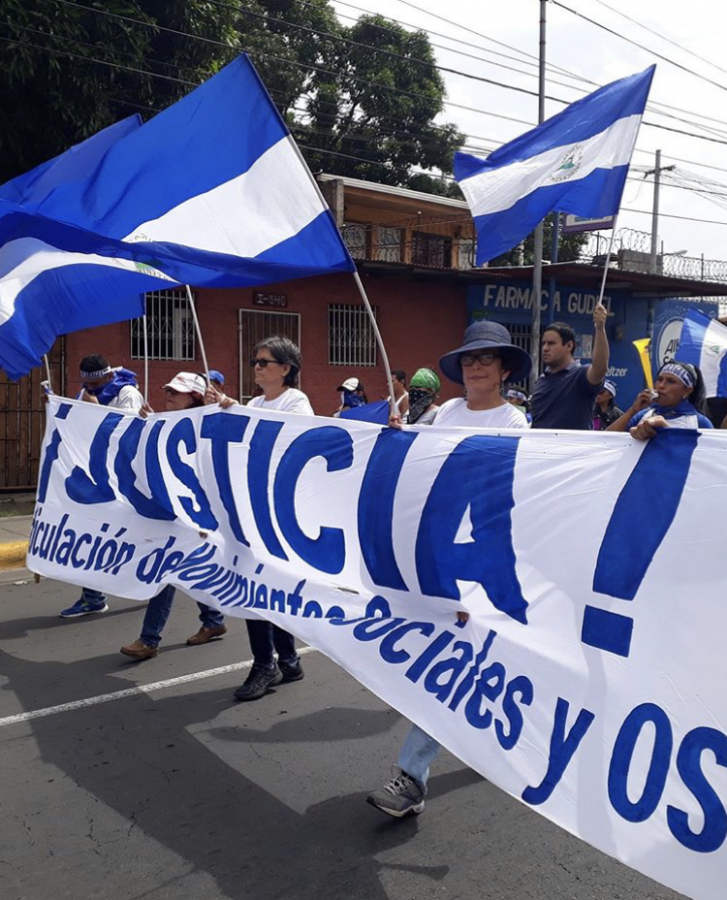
(486, 360)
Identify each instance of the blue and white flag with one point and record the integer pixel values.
(211, 192)
(704, 343)
(76, 164)
(575, 162)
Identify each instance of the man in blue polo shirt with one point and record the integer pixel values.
(566, 391)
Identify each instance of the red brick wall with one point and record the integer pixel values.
(419, 320)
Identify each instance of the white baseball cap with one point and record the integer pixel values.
(350, 384)
(187, 383)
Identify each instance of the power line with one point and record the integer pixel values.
(662, 36)
(493, 82)
(573, 75)
(237, 49)
(636, 44)
(648, 212)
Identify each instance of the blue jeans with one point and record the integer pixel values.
(157, 613)
(95, 598)
(265, 639)
(417, 753)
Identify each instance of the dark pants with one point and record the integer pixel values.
(267, 639)
(157, 613)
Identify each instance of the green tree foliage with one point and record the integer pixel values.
(68, 69)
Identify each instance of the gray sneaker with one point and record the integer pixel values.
(258, 683)
(400, 796)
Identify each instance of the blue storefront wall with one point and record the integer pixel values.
(510, 303)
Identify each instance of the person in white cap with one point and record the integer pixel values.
(605, 412)
(352, 395)
(185, 391)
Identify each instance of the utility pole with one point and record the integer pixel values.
(656, 172)
(538, 243)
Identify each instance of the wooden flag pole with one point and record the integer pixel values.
(49, 380)
(380, 341)
(199, 333)
(144, 324)
(608, 261)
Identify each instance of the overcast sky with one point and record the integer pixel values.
(584, 49)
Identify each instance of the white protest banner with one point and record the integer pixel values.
(589, 680)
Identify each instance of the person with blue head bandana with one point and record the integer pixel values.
(605, 411)
(116, 388)
(113, 387)
(679, 403)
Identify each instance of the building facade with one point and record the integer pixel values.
(414, 253)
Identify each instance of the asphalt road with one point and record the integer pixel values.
(182, 793)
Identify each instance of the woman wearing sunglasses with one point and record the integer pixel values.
(485, 361)
(185, 391)
(276, 362)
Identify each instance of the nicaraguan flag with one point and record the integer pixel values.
(210, 192)
(703, 343)
(575, 162)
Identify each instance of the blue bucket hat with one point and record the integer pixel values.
(483, 336)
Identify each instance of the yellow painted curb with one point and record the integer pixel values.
(12, 555)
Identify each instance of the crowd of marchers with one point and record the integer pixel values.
(492, 372)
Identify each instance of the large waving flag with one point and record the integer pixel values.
(211, 192)
(76, 164)
(704, 343)
(575, 162)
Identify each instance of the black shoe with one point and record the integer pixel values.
(258, 683)
(292, 671)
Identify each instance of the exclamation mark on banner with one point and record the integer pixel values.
(641, 518)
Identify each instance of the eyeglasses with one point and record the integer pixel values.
(484, 359)
(262, 362)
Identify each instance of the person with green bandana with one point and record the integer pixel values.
(423, 390)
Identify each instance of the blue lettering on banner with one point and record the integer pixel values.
(96, 488)
(222, 429)
(376, 507)
(714, 830)
(327, 552)
(183, 433)
(477, 475)
(634, 535)
(51, 455)
(618, 773)
(562, 748)
(158, 506)
(258, 483)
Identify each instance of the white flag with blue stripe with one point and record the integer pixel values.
(703, 343)
(211, 192)
(575, 162)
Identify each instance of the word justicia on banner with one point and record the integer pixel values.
(587, 680)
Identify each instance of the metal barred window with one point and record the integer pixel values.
(169, 327)
(351, 340)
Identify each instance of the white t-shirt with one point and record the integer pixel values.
(129, 398)
(290, 401)
(454, 413)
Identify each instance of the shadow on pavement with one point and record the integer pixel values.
(138, 758)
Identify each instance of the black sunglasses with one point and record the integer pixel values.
(263, 362)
